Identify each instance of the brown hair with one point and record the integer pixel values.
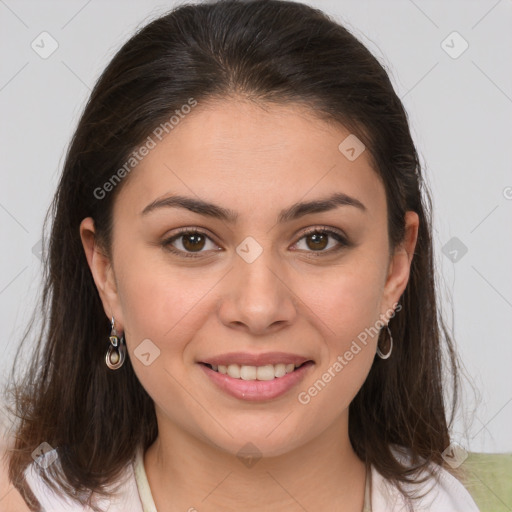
(268, 51)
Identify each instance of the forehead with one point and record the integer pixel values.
(252, 156)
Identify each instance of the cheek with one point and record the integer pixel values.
(346, 309)
(162, 309)
(346, 300)
(166, 309)
(157, 298)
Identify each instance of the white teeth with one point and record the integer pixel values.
(234, 371)
(280, 370)
(249, 372)
(267, 372)
(289, 368)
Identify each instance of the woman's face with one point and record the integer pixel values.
(252, 287)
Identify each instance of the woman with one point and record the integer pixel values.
(240, 298)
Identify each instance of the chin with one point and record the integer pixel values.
(258, 442)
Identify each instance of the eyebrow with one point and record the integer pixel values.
(295, 211)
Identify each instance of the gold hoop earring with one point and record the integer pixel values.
(116, 353)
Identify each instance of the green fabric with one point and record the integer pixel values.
(488, 478)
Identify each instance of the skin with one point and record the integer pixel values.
(255, 161)
(10, 498)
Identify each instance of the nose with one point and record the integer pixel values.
(258, 297)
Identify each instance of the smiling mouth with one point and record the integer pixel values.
(265, 372)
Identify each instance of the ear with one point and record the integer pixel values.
(102, 273)
(400, 264)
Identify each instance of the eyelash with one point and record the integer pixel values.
(337, 235)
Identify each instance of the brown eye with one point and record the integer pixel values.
(193, 242)
(189, 243)
(317, 241)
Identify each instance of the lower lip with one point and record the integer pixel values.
(257, 390)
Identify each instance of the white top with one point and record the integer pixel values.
(446, 495)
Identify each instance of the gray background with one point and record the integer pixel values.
(460, 111)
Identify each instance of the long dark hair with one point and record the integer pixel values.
(268, 51)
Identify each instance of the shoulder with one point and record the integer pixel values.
(126, 499)
(439, 492)
(10, 498)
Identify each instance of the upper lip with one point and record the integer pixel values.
(247, 359)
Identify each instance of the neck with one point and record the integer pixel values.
(187, 473)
